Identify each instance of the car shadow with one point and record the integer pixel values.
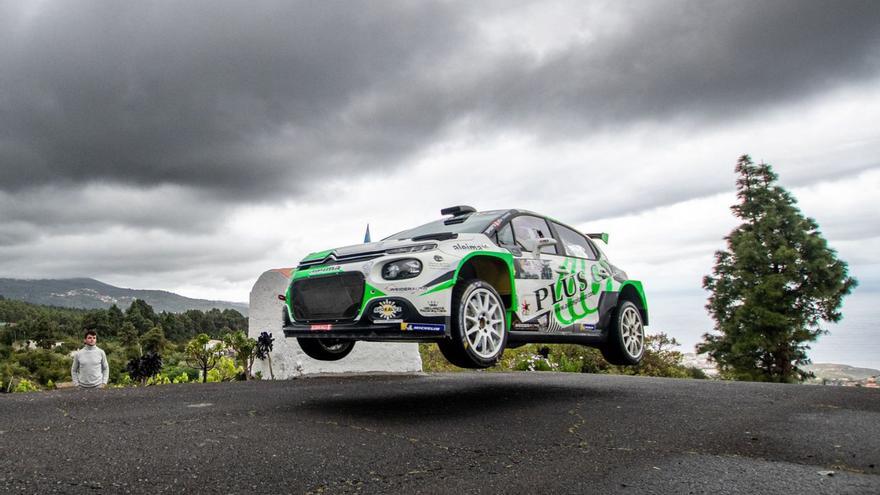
(388, 402)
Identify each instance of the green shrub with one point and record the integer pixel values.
(178, 372)
(225, 371)
(44, 365)
(181, 378)
(159, 379)
(124, 380)
(24, 385)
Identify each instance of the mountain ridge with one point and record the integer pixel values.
(88, 293)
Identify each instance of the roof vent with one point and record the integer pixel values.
(458, 210)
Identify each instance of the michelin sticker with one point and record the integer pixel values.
(422, 327)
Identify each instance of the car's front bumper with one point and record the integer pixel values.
(427, 329)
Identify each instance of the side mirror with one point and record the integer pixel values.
(536, 245)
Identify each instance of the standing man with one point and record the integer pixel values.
(90, 368)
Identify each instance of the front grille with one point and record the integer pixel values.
(328, 298)
(333, 259)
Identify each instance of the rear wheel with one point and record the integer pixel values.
(626, 337)
(326, 349)
(479, 331)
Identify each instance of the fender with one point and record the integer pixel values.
(507, 258)
(637, 286)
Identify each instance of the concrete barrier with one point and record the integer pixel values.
(289, 361)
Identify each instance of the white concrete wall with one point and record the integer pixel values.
(289, 361)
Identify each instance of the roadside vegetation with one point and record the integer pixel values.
(37, 342)
(143, 347)
(660, 359)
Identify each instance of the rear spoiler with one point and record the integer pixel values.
(603, 236)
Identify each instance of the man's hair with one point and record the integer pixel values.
(90, 332)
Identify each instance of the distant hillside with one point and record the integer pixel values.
(88, 293)
(830, 371)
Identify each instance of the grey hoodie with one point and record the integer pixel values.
(90, 367)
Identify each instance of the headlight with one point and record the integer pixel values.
(401, 269)
(416, 248)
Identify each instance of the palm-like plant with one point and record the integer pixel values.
(264, 349)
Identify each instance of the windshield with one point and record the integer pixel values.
(474, 223)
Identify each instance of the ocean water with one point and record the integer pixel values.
(854, 341)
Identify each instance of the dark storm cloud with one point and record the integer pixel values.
(59, 211)
(257, 99)
(688, 63)
(223, 96)
(140, 254)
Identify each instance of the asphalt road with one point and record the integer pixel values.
(445, 433)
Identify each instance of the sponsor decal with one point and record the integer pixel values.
(438, 264)
(323, 327)
(433, 307)
(422, 327)
(568, 286)
(569, 294)
(589, 329)
(464, 246)
(530, 269)
(387, 310)
(324, 269)
(531, 327)
(406, 289)
(526, 308)
(497, 223)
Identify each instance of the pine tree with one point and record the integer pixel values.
(773, 286)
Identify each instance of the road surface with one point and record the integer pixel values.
(445, 433)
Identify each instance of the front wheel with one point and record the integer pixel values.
(479, 330)
(326, 349)
(626, 337)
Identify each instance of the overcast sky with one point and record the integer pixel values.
(191, 146)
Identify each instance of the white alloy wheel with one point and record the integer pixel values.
(484, 323)
(632, 332)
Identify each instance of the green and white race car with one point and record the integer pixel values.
(474, 283)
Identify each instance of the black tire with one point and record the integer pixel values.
(476, 303)
(626, 336)
(326, 349)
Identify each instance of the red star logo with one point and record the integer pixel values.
(525, 306)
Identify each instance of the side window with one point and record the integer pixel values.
(532, 228)
(575, 244)
(505, 236)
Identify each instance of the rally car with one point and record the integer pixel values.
(474, 282)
